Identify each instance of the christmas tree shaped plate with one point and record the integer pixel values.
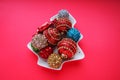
(78, 56)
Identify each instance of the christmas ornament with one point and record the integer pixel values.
(67, 48)
(73, 34)
(52, 35)
(54, 60)
(63, 14)
(35, 49)
(45, 52)
(45, 26)
(39, 41)
(63, 24)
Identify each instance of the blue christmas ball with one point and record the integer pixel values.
(73, 34)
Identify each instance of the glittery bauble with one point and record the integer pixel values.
(67, 48)
(35, 49)
(52, 35)
(54, 60)
(73, 34)
(63, 14)
(45, 52)
(43, 27)
(39, 41)
(63, 24)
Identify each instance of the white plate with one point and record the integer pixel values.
(78, 56)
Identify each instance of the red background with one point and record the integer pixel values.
(98, 21)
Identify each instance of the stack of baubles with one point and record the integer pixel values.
(57, 33)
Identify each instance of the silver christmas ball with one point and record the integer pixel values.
(63, 14)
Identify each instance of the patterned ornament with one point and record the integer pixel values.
(45, 26)
(52, 35)
(39, 41)
(67, 48)
(45, 52)
(54, 60)
(73, 34)
(63, 14)
(35, 49)
(63, 24)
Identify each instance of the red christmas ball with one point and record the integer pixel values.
(67, 48)
(45, 52)
(63, 24)
(53, 35)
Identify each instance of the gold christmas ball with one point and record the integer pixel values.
(54, 60)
